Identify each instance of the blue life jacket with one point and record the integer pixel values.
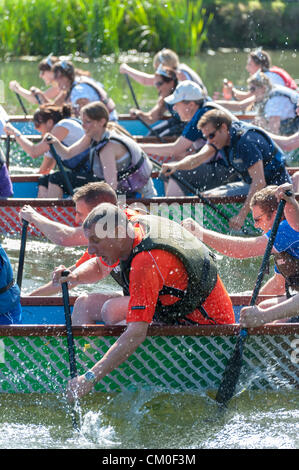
(79, 162)
(273, 163)
(9, 290)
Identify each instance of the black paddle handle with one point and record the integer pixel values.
(194, 190)
(61, 167)
(270, 244)
(137, 106)
(22, 253)
(68, 323)
(21, 104)
(232, 371)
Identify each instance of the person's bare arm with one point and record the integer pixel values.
(175, 149)
(234, 247)
(237, 105)
(58, 233)
(35, 150)
(67, 152)
(286, 143)
(143, 78)
(118, 353)
(190, 161)
(256, 172)
(291, 209)
(256, 316)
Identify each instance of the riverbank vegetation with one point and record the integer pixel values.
(97, 27)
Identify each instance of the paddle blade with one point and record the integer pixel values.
(232, 372)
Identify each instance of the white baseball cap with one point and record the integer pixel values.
(186, 90)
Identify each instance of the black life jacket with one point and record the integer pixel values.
(199, 262)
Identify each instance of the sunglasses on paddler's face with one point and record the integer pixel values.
(160, 83)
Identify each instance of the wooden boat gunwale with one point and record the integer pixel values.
(154, 329)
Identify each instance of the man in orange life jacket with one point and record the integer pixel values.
(171, 277)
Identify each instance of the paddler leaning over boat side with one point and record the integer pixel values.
(58, 121)
(114, 156)
(170, 275)
(264, 205)
(247, 150)
(189, 101)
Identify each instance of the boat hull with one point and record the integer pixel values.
(34, 358)
(63, 211)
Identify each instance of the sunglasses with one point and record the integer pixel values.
(160, 83)
(252, 88)
(211, 135)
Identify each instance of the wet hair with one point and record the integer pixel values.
(266, 200)
(166, 57)
(50, 111)
(95, 193)
(96, 110)
(215, 117)
(261, 58)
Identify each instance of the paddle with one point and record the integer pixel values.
(61, 167)
(22, 253)
(70, 339)
(21, 104)
(233, 368)
(153, 131)
(7, 150)
(195, 191)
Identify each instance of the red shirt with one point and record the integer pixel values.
(150, 270)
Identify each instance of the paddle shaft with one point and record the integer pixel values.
(21, 103)
(232, 371)
(61, 168)
(22, 253)
(267, 254)
(70, 338)
(138, 117)
(195, 191)
(7, 151)
(68, 323)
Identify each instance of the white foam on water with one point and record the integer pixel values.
(92, 429)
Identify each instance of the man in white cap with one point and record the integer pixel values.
(190, 103)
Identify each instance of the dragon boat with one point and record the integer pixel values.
(34, 355)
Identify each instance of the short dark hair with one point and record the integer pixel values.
(95, 193)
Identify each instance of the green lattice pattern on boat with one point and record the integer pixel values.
(178, 363)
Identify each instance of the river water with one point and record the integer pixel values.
(144, 419)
